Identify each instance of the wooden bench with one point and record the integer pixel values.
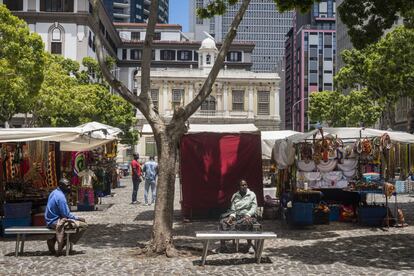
(258, 237)
(22, 231)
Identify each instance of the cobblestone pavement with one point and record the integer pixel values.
(109, 247)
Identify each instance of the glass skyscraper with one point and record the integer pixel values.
(262, 24)
(135, 10)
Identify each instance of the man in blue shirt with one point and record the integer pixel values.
(57, 208)
(150, 170)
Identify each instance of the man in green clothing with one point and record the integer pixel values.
(242, 214)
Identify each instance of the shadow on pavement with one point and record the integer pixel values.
(149, 215)
(233, 261)
(43, 253)
(115, 235)
(379, 251)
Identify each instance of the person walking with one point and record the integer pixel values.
(150, 170)
(136, 177)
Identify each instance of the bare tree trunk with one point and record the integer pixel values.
(162, 238)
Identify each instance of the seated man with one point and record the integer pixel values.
(242, 213)
(57, 212)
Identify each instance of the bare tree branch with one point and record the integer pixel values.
(147, 51)
(142, 102)
(218, 64)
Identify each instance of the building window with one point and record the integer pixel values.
(185, 55)
(199, 5)
(238, 100)
(167, 55)
(157, 36)
(209, 103)
(135, 54)
(177, 97)
(56, 48)
(208, 59)
(263, 103)
(154, 97)
(135, 35)
(150, 146)
(124, 54)
(14, 5)
(234, 56)
(56, 41)
(56, 5)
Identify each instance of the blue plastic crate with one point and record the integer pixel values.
(301, 214)
(372, 216)
(334, 214)
(17, 210)
(10, 222)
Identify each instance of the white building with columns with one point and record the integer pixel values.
(238, 95)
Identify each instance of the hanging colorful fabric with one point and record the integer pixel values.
(51, 170)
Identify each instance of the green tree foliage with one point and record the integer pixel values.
(21, 65)
(338, 110)
(385, 68)
(65, 100)
(366, 19)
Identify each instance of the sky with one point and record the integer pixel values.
(178, 13)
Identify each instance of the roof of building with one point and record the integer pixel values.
(224, 74)
(208, 44)
(144, 25)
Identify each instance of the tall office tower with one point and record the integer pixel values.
(310, 50)
(135, 10)
(342, 38)
(262, 24)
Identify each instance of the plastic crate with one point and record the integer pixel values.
(372, 215)
(320, 217)
(10, 222)
(334, 213)
(17, 210)
(301, 214)
(400, 187)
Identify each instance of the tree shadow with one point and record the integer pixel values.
(43, 253)
(233, 261)
(100, 236)
(149, 215)
(379, 251)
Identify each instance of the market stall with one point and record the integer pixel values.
(339, 167)
(213, 159)
(34, 159)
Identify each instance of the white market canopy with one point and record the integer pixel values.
(270, 137)
(213, 128)
(352, 133)
(80, 138)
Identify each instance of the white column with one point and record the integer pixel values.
(251, 102)
(276, 91)
(25, 5)
(37, 5)
(190, 92)
(225, 100)
(219, 97)
(165, 98)
(75, 6)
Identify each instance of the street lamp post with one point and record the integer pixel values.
(293, 113)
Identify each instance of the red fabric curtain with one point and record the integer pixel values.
(212, 164)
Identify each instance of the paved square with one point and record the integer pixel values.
(109, 247)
